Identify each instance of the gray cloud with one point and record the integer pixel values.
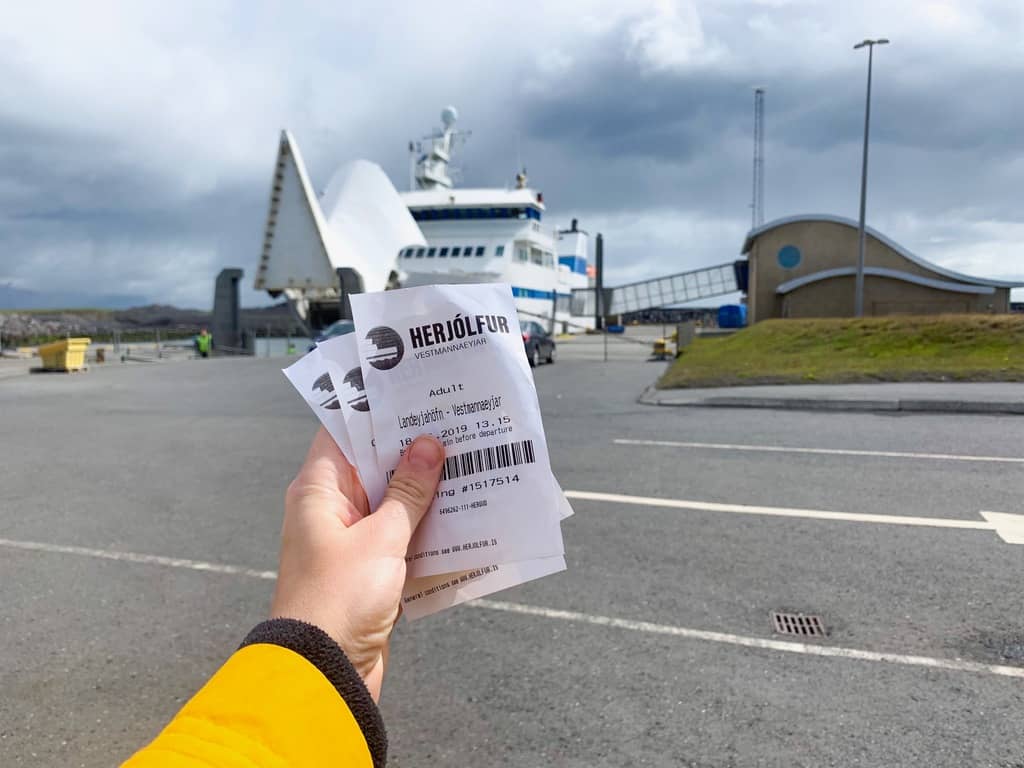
(147, 171)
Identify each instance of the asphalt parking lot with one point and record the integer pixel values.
(656, 647)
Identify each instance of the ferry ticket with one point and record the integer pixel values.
(341, 357)
(430, 594)
(311, 379)
(449, 361)
(425, 595)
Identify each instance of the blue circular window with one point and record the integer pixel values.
(789, 256)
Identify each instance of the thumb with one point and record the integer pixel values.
(408, 496)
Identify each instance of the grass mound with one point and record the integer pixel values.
(933, 348)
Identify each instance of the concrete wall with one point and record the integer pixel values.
(828, 245)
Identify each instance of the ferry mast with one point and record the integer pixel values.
(430, 169)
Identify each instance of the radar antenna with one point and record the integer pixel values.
(430, 167)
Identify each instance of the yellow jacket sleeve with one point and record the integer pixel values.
(279, 702)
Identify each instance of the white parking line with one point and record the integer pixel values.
(953, 665)
(1009, 527)
(135, 557)
(746, 509)
(956, 665)
(823, 451)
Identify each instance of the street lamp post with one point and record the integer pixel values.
(858, 301)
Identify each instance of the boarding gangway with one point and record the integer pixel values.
(681, 288)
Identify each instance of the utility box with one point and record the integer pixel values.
(684, 334)
(64, 355)
(732, 316)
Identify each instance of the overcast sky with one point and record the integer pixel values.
(137, 138)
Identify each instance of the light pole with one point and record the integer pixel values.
(858, 301)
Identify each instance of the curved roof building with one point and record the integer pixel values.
(805, 266)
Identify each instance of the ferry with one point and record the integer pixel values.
(491, 235)
(362, 234)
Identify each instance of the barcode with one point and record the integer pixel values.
(483, 459)
(492, 457)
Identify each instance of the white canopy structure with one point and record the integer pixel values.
(360, 222)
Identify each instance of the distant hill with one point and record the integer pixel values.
(165, 316)
(31, 326)
(18, 298)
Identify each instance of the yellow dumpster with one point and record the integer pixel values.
(660, 348)
(64, 355)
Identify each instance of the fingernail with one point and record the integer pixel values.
(425, 453)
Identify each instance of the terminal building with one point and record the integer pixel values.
(805, 266)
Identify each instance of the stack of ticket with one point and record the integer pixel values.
(446, 360)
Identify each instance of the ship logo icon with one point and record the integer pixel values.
(358, 402)
(324, 384)
(386, 348)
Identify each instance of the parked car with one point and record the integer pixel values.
(539, 344)
(337, 328)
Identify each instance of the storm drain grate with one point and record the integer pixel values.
(1013, 652)
(798, 624)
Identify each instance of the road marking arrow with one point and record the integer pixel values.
(1009, 527)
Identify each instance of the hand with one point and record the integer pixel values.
(342, 569)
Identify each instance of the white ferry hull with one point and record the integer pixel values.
(533, 288)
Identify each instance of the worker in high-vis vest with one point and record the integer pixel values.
(303, 688)
(204, 341)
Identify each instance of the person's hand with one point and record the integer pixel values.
(342, 569)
